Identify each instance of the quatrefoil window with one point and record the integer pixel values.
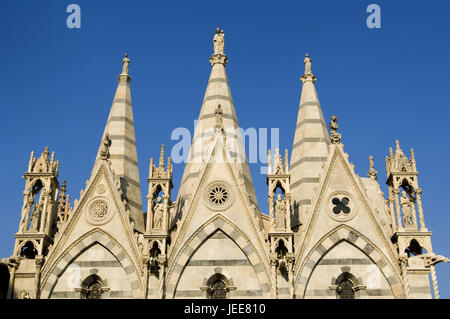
(341, 205)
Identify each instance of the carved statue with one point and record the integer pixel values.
(26, 216)
(106, 144)
(219, 122)
(433, 260)
(158, 214)
(307, 62)
(219, 41)
(280, 212)
(335, 137)
(9, 261)
(407, 210)
(61, 205)
(24, 294)
(126, 64)
(372, 172)
(333, 124)
(36, 216)
(140, 242)
(278, 163)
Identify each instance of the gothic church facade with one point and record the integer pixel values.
(328, 232)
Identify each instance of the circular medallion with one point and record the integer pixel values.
(218, 195)
(101, 189)
(98, 211)
(341, 206)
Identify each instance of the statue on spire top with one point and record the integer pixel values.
(219, 41)
(307, 62)
(126, 64)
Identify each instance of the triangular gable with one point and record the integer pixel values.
(339, 181)
(100, 207)
(240, 210)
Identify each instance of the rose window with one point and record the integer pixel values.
(98, 209)
(218, 195)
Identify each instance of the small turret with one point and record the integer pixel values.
(281, 237)
(158, 219)
(38, 222)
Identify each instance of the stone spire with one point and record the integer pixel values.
(119, 135)
(310, 149)
(217, 116)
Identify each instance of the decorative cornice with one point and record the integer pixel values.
(308, 78)
(218, 58)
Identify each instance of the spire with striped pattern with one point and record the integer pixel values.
(310, 149)
(217, 110)
(122, 153)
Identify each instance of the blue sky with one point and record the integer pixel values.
(383, 84)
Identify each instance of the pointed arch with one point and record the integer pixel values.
(95, 236)
(218, 223)
(356, 239)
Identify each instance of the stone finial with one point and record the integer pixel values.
(106, 144)
(412, 159)
(43, 164)
(160, 171)
(397, 145)
(398, 149)
(161, 156)
(286, 161)
(45, 153)
(169, 167)
(372, 172)
(64, 187)
(335, 137)
(126, 64)
(398, 162)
